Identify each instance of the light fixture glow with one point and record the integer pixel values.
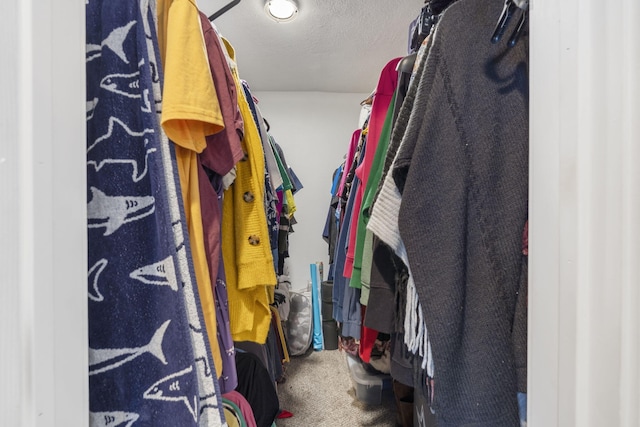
(281, 10)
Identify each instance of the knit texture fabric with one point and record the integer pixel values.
(384, 224)
(463, 174)
(246, 250)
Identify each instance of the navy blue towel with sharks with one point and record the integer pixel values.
(150, 364)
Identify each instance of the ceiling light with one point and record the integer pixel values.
(281, 10)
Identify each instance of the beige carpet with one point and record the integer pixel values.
(319, 392)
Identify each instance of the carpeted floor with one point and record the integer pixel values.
(319, 392)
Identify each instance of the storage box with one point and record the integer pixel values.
(370, 387)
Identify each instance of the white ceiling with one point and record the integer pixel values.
(333, 45)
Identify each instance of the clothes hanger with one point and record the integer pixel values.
(427, 19)
(509, 9)
(369, 99)
(438, 6)
(406, 64)
(223, 9)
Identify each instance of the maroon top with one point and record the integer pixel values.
(223, 151)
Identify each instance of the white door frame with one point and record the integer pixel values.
(584, 322)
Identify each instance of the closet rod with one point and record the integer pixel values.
(223, 9)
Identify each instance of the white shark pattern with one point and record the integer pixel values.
(114, 41)
(161, 273)
(106, 359)
(167, 389)
(136, 173)
(94, 275)
(112, 122)
(146, 107)
(91, 108)
(122, 84)
(127, 85)
(112, 212)
(112, 419)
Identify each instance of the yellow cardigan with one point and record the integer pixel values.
(246, 249)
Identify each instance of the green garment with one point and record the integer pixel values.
(375, 175)
(233, 413)
(286, 181)
(365, 273)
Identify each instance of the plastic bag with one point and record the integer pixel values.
(300, 323)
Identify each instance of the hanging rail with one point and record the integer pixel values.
(223, 9)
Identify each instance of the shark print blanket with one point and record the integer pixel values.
(149, 360)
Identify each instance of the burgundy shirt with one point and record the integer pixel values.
(223, 151)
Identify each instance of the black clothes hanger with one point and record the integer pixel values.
(510, 8)
(438, 6)
(223, 9)
(405, 69)
(426, 20)
(428, 17)
(406, 64)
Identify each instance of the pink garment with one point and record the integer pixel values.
(241, 402)
(382, 99)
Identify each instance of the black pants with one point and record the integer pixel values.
(254, 383)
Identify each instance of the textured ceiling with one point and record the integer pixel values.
(333, 45)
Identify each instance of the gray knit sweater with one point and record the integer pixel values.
(463, 173)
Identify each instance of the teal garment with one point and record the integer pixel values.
(375, 175)
(237, 412)
(286, 180)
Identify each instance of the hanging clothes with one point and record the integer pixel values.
(331, 226)
(462, 171)
(380, 313)
(257, 387)
(383, 222)
(190, 112)
(272, 177)
(245, 243)
(144, 325)
(242, 407)
(223, 151)
(385, 89)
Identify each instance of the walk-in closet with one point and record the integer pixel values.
(288, 213)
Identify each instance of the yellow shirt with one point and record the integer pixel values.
(190, 111)
(245, 239)
(291, 204)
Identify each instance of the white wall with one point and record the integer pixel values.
(43, 253)
(314, 130)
